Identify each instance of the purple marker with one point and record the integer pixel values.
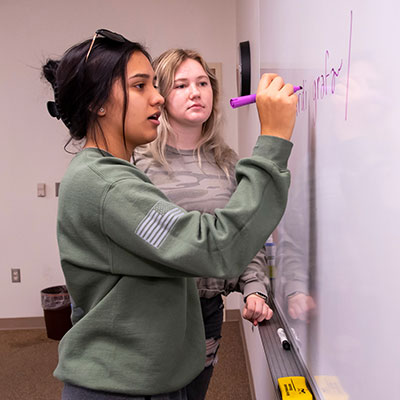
(251, 98)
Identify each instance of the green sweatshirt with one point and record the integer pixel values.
(129, 257)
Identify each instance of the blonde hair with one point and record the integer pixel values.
(165, 67)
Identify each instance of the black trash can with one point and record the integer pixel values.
(57, 311)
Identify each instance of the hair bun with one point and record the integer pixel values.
(50, 71)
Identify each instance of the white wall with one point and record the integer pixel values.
(32, 141)
(248, 28)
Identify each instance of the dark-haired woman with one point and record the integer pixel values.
(129, 255)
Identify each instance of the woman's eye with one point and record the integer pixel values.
(180, 86)
(139, 85)
(203, 83)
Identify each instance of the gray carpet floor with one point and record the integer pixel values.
(28, 358)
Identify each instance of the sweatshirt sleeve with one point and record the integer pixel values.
(254, 278)
(149, 236)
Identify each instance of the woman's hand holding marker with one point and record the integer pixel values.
(276, 105)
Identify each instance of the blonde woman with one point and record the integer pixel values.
(190, 162)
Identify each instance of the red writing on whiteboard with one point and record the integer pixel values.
(325, 84)
(302, 103)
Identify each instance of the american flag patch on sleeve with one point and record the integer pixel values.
(158, 223)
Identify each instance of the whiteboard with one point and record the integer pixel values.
(339, 239)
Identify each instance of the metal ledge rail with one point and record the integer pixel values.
(283, 362)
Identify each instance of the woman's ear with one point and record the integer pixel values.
(101, 112)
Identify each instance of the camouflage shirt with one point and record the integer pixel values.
(204, 189)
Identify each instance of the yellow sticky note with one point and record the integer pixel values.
(294, 388)
(331, 388)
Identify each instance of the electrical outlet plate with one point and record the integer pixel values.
(15, 275)
(41, 190)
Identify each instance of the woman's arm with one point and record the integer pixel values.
(199, 244)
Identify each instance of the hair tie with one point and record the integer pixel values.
(54, 109)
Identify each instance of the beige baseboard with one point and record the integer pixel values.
(9, 324)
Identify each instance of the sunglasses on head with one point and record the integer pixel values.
(116, 37)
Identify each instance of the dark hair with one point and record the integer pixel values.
(81, 87)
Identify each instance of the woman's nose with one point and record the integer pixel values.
(194, 91)
(157, 98)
